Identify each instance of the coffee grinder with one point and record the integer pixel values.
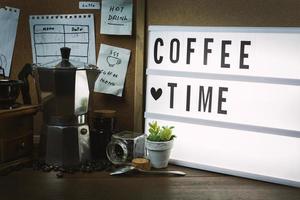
(64, 87)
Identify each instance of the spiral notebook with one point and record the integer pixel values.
(51, 32)
(9, 22)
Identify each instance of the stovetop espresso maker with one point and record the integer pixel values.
(64, 89)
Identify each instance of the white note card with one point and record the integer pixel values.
(9, 21)
(49, 33)
(116, 17)
(113, 63)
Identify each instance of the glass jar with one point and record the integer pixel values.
(104, 122)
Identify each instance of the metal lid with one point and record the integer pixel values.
(105, 113)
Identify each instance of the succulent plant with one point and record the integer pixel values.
(160, 134)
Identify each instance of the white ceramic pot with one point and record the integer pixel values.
(159, 153)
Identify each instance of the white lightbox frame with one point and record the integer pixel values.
(236, 144)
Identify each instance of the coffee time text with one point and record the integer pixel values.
(192, 44)
(204, 100)
(170, 51)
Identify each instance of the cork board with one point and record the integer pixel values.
(124, 106)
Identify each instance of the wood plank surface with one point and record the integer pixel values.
(28, 184)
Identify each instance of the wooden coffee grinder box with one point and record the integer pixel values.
(16, 134)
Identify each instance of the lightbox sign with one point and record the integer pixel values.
(233, 95)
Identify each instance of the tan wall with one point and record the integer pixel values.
(224, 12)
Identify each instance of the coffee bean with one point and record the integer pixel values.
(56, 168)
(60, 175)
(47, 169)
(61, 169)
(86, 167)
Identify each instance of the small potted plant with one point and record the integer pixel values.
(159, 144)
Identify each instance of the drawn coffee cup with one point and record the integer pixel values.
(112, 61)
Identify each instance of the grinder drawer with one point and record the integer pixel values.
(14, 148)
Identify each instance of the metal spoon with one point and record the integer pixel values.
(126, 169)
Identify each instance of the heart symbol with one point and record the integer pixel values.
(156, 93)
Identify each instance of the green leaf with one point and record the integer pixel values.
(152, 131)
(172, 137)
(158, 133)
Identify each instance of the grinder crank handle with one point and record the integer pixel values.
(29, 69)
(23, 76)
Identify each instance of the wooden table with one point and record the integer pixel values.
(31, 185)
